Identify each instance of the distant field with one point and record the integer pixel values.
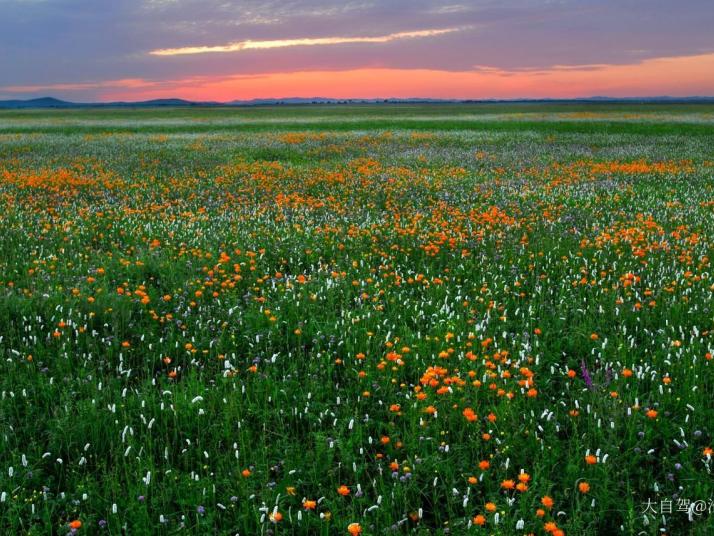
(585, 118)
(398, 319)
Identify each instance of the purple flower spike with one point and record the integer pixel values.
(586, 376)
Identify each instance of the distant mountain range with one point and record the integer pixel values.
(51, 102)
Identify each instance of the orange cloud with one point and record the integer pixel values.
(676, 76)
(285, 43)
(679, 76)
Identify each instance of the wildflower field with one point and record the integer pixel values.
(473, 319)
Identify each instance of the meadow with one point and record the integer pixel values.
(397, 319)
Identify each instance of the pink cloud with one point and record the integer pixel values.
(675, 76)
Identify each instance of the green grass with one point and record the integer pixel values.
(186, 295)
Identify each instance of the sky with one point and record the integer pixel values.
(223, 50)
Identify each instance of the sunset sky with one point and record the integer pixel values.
(99, 50)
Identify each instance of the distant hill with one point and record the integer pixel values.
(44, 102)
(158, 102)
(51, 102)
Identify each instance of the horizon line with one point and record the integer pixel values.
(373, 100)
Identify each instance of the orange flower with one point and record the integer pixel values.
(508, 484)
(246, 473)
(308, 504)
(590, 459)
(355, 529)
(707, 451)
(550, 526)
(490, 507)
(76, 524)
(583, 487)
(276, 517)
(343, 490)
(524, 477)
(547, 501)
(483, 465)
(479, 520)
(651, 413)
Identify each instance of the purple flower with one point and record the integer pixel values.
(102, 523)
(201, 510)
(586, 376)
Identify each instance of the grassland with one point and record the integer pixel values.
(462, 319)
